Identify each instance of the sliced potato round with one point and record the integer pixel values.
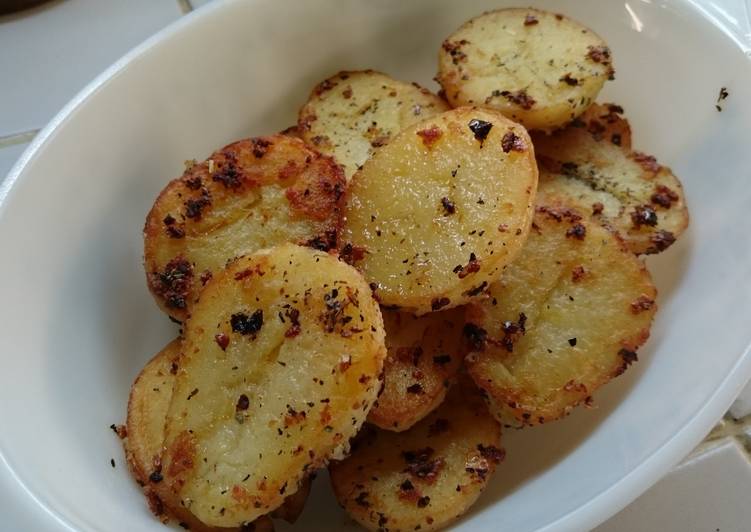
(439, 211)
(149, 401)
(538, 68)
(426, 477)
(565, 318)
(352, 113)
(252, 194)
(590, 166)
(279, 367)
(423, 359)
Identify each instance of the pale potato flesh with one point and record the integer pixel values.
(149, 401)
(442, 208)
(251, 194)
(425, 477)
(590, 166)
(351, 114)
(538, 68)
(565, 318)
(424, 356)
(279, 367)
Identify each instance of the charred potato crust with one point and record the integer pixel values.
(565, 318)
(251, 194)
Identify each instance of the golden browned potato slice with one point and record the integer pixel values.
(252, 194)
(566, 317)
(426, 477)
(352, 113)
(279, 367)
(424, 355)
(538, 68)
(149, 401)
(438, 212)
(590, 166)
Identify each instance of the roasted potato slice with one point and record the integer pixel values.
(565, 317)
(538, 68)
(436, 213)
(352, 113)
(426, 477)
(590, 166)
(252, 194)
(279, 367)
(149, 401)
(423, 359)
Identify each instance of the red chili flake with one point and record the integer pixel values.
(512, 331)
(361, 499)
(641, 304)
(480, 129)
(664, 197)
(421, 466)
(175, 232)
(578, 273)
(430, 136)
(661, 240)
(169, 220)
(648, 162)
(573, 386)
(222, 341)
(511, 141)
(345, 363)
(260, 147)
(473, 266)
(597, 208)
(193, 182)
(347, 93)
(569, 80)
(599, 54)
(448, 206)
(294, 315)
(242, 403)
(644, 215)
(492, 453)
(577, 231)
(530, 20)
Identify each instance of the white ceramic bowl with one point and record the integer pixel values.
(77, 323)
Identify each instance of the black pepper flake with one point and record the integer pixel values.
(242, 403)
(477, 290)
(448, 206)
(520, 98)
(169, 220)
(599, 54)
(531, 20)
(156, 477)
(439, 426)
(243, 324)
(194, 206)
(112, 462)
(569, 80)
(644, 215)
(441, 359)
(324, 242)
(422, 502)
(480, 129)
(361, 499)
(192, 394)
(228, 176)
(722, 96)
(577, 231)
(628, 356)
(351, 254)
(660, 241)
(173, 284)
(175, 232)
(615, 138)
(664, 197)
(260, 147)
(492, 453)
(572, 342)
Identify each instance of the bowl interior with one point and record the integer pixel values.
(77, 322)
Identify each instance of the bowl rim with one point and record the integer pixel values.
(587, 516)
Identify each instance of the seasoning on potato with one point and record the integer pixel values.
(566, 317)
(351, 114)
(538, 68)
(440, 210)
(424, 356)
(426, 477)
(252, 194)
(279, 367)
(590, 166)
